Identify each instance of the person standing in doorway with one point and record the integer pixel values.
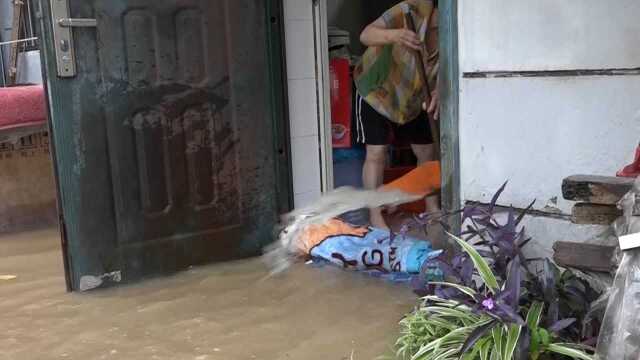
(390, 92)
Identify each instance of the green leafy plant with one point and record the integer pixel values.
(451, 329)
(512, 312)
(543, 341)
(448, 326)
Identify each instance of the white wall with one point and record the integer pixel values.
(500, 35)
(534, 131)
(303, 100)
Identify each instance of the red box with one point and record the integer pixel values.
(341, 92)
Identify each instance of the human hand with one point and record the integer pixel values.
(434, 105)
(406, 38)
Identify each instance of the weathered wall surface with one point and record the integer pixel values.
(27, 190)
(500, 35)
(536, 130)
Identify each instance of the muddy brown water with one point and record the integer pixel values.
(225, 311)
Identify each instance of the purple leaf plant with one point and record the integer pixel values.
(566, 298)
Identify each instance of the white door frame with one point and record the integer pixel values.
(320, 23)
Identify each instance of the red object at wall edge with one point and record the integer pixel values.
(632, 170)
(341, 92)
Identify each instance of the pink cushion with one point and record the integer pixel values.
(22, 106)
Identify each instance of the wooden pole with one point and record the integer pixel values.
(448, 82)
(435, 132)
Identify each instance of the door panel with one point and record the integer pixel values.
(170, 141)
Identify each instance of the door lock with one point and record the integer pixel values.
(63, 36)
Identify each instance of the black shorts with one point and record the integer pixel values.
(375, 129)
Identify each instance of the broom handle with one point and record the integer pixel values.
(435, 132)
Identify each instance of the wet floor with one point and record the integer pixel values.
(227, 312)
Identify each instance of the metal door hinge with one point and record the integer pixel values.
(63, 36)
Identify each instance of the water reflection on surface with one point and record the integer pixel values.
(227, 311)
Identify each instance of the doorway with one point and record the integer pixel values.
(339, 23)
(28, 212)
(187, 315)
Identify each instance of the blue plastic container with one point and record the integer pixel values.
(347, 167)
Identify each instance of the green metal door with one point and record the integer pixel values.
(170, 139)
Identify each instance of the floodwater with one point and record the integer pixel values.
(227, 311)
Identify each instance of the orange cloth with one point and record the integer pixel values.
(423, 180)
(315, 234)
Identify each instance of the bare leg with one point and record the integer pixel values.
(425, 153)
(372, 176)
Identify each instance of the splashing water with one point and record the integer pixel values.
(280, 255)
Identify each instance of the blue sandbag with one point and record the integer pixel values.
(376, 251)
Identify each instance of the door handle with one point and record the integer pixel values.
(68, 22)
(63, 26)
